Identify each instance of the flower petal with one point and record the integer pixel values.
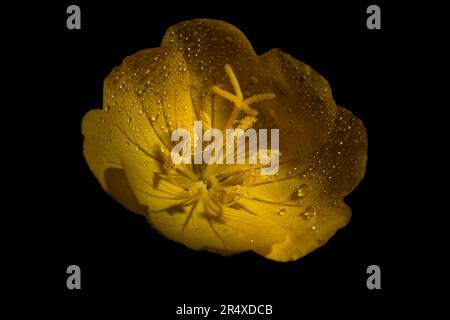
(172, 212)
(310, 199)
(234, 232)
(133, 121)
(309, 237)
(149, 187)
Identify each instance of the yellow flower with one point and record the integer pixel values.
(206, 70)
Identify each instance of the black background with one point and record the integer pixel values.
(127, 265)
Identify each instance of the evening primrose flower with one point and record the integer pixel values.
(206, 70)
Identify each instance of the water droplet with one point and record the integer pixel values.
(303, 190)
(129, 120)
(254, 80)
(141, 112)
(163, 149)
(282, 212)
(308, 213)
(229, 39)
(153, 118)
(107, 108)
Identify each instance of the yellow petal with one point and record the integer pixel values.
(150, 188)
(233, 232)
(308, 237)
(306, 196)
(174, 214)
(135, 120)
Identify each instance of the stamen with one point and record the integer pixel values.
(206, 120)
(232, 118)
(246, 122)
(198, 189)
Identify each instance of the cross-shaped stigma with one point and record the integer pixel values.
(238, 99)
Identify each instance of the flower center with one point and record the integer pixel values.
(217, 185)
(209, 182)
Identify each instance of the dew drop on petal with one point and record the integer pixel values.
(303, 190)
(308, 213)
